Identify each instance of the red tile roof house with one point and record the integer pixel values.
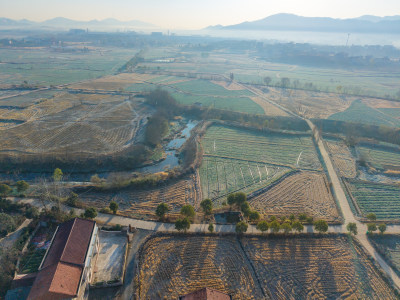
(67, 267)
(206, 294)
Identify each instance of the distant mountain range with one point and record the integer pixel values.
(63, 23)
(290, 22)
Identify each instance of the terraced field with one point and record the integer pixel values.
(302, 192)
(331, 267)
(74, 123)
(381, 158)
(342, 158)
(378, 198)
(389, 246)
(239, 159)
(142, 204)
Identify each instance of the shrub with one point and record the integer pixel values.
(262, 226)
(382, 228)
(113, 207)
(161, 210)
(182, 224)
(297, 226)
(90, 213)
(211, 227)
(275, 226)
(188, 211)
(371, 227)
(254, 216)
(352, 228)
(286, 227)
(207, 206)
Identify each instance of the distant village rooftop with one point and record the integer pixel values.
(206, 294)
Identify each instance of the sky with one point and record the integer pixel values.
(192, 14)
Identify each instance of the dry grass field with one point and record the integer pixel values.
(342, 158)
(303, 192)
(142, 203)
(331, 267)
(73, 123)
(113, 82)
(310, 104)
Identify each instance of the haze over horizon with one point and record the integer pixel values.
(181, 14)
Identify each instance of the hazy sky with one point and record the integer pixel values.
(192, 14)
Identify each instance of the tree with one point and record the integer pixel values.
(5, 190)
(241, 227)
(292, 218)
(113, 206)
(382, 228)
(7, 224)
(371, 217)
(182, 224)
(161, 210)
(22, 186)
(286, 227)
(90, 213)
(371, 227)
(57, 175)
(321, 226)
(207, 206)
(297, 226)
(302, 217)
(32, 213)
(231, 200)
(267, 80)
(188, 211)
(240, 198)
(275, 226)
(211, 227)
(262, 226)
(352, 228)
(285, 82)
(254, 216)
(245, 208)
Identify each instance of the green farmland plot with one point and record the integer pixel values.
(240, 104)
(381, 157)
(220, 176)
(270, 148)
(381, 199)
(46, 67)
(240, 159)
(358, 112)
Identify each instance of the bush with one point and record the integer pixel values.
(22, 186)
(113, 207)
(382, 228)
(7, 224)
(90, 213)
(161, 210)
(254, 216)
(286, 227)
(298, 226)
(182, 224)
(211, 227)
(371, 227)
(5, 190)
(207, 206)
(352, 228)
(275, 226)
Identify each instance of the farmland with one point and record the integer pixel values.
(240, 159)
(73, 123)
(45, 67)
(389, 246)
(342, 158)
(255, 268)
(361, 113)
(381, 157)
(142, 204)
(300, 193)
(378, 198)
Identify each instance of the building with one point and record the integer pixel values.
(206, 294)
(67, 267)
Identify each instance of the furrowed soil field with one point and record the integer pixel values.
(73, 123)
(389, 246)
(342, 158)
(142, 204)
(300, 193)
(387, 158)
(329, 267)
(381, 199)
(236, 158)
